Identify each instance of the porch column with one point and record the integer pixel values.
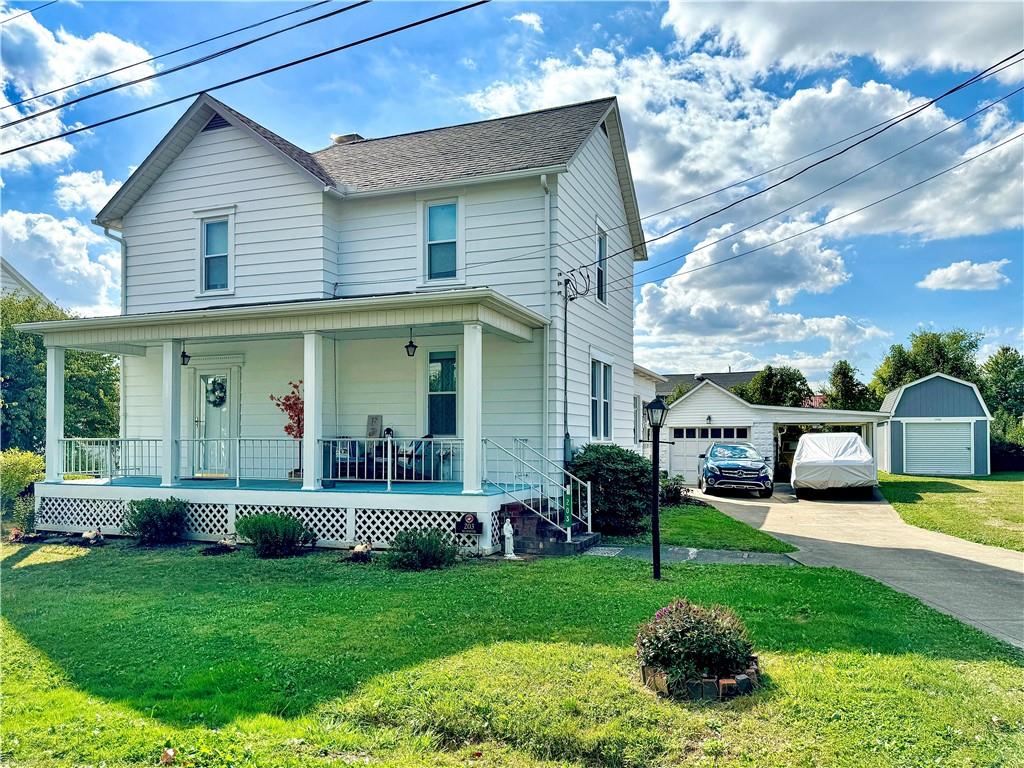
(54, 414)
(472, 406)
(312, 408)
(171, 413)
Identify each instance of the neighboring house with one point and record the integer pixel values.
(710, 412)
(814, 401)
(412, 283)
(937, 425)
(687, 381)
(645, 384)
(12, 281)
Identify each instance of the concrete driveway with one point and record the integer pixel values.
(980, 585)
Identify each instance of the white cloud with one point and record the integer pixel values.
(531, 20)
(967, 276)
(37, 60)
(78, 256)
(897, 35)
(84, 190)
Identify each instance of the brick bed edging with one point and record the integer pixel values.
(708, 688)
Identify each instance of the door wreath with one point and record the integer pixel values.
(216, 392)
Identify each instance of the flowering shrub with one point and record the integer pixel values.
(690, 642)
(293, 406)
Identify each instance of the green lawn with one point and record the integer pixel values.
(705, 528)
(988, 510)
(111, 653)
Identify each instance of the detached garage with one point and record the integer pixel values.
(938, 425)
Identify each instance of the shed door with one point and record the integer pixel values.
(938, 448)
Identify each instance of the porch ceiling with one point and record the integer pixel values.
(431, 312)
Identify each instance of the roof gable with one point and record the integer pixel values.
(713, 385)
(939, 403)
(188, 126)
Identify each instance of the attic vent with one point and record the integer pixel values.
(216, 122)
(604, 127)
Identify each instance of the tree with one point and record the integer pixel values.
(91, 400)
(782, 385)
(951, 352)
(1002, 381)
(845, 392)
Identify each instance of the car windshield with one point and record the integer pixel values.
(734, 452)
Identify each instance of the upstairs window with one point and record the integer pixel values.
(442, 394)
(600, 400)
(442, 240)
(602, 266)
(215, 252)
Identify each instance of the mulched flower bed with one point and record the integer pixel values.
(706, 689)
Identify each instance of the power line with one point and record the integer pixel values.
(26, 13)
(913, 112)
(830, 221)
(828, 189)
(184, 65)
(464, 270)
(490, 264)
(243, 79)
(165, 53)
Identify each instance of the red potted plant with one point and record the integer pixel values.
(293, 406)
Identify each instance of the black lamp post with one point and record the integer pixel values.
(656, 411)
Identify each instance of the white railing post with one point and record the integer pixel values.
(590, 527)
(238, 462)
(387, 459)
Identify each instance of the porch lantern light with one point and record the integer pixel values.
(656, 412)
(708, 419)
(185, 356)
(410, 348)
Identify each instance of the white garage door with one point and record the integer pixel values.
(941, 448)
(691, 442)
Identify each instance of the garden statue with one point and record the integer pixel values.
(507, 531)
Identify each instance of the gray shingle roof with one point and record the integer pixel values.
(890, 400)
(727, 380)
(532, 140)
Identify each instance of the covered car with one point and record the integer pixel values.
(833, 460)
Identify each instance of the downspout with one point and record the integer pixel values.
(123, 412)
(545, 367)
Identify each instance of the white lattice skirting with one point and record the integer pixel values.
(333, 526)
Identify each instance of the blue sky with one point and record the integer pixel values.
(710, 94)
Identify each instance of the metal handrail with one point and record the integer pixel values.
(109, 456)
(523, 444)
(392, 460)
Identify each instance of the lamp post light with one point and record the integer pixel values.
(656, 411)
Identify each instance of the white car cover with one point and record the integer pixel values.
(833, 460)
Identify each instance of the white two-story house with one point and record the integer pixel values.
(411, 285)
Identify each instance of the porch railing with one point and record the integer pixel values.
(539, 484)
(241, 458)
(392, 460)
(110, 457)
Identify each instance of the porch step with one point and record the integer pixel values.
(536, 536)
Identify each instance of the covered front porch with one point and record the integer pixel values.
(416, 403)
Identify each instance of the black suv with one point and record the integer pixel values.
(734, 465)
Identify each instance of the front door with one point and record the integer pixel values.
(211, 455)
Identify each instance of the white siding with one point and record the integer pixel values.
(725, 411)
(588, 195)
(376, 245)
(279, 235)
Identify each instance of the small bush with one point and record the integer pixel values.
(23, 514)
(275, 535)
(420, 550)
(621, 485)
(156, 521)
(673, 491)
(692, 641)
(18, 470)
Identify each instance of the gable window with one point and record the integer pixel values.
(215, 254)
(602, 266)
(600, 400)
(442, 240)
(215, 261)
(442, 390)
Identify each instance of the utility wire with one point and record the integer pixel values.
(911, 113)
(184, 65)
(465, 270)
(166, 53)
(26, 13)
(824, 223)
(827, 189)
(490, 264)
(237, 80)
